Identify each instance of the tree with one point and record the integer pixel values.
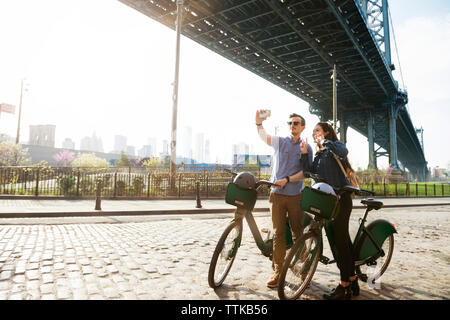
(64, 158)
(13, 155)
(151, 162)
(89, 160)
(123, 161)
(447, 173)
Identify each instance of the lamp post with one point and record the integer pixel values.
(23, 87)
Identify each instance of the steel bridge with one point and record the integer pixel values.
(295, 44)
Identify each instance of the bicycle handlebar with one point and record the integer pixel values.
(315, 176)
(231, 172)
(258, 184)
(264, 182)
(362, 191)
(358, 191)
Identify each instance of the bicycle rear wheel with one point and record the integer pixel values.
(373, 270)
(299, 266)
(225, 253)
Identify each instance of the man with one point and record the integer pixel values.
(288, 175)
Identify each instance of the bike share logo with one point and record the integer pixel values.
(373, 278)
(316, 210)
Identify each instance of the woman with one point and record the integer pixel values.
(326, 166)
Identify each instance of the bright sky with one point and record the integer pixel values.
(100, 66)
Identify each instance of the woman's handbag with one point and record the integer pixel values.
(350, 175)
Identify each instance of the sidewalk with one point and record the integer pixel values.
(23, 208)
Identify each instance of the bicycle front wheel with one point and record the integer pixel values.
(299, 266)
(225, 253)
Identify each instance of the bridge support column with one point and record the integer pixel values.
(343, 126)
(370, 138)
(424, 173)
(393, 157)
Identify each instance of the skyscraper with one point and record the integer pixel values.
(207, 151)
(93, 143)
(130, 150)
(120, 143)
(68, 144)
(165, 147)
(186, 142)
(146, 151)
(199, 152)
(153, 142)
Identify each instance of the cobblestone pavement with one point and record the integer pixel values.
(164, 257)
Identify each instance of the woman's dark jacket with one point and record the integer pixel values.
(326, 166)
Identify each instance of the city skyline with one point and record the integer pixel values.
(104, 67)
(198, 151)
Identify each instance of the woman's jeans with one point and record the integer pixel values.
(342, 239)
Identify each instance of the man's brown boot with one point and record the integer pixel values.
(273, 282)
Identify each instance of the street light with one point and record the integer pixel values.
(23, 87)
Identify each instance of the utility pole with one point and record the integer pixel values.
(173, 143)
(20, 109)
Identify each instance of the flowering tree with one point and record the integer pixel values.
(89, 160)
(138, 162)
(13, 155)
(151, 162)
(388, 172)
(64, 158)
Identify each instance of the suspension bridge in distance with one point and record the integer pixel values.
(295, 45)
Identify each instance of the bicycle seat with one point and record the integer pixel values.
(372, 203)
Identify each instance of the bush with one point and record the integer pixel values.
(121, 187)
(138, 185)
(66, 183)
(86, 186)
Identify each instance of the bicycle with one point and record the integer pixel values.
(372, 246)
(230, 240)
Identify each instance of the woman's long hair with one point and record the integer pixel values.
(330, 134)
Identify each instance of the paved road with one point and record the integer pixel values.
(167, 257)
(49, 208)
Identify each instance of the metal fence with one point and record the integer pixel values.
(118, 181)
(140, 182)
(420, 189)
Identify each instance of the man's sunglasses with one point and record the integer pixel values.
(296, 123)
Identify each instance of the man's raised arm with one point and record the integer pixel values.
(259, 126)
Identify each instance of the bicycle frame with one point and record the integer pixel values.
(265, 246)
(375, 233)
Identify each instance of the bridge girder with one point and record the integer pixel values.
(294, 45)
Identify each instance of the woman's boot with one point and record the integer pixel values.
(340, 293)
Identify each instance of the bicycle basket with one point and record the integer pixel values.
(240, 197)
(319, 203)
